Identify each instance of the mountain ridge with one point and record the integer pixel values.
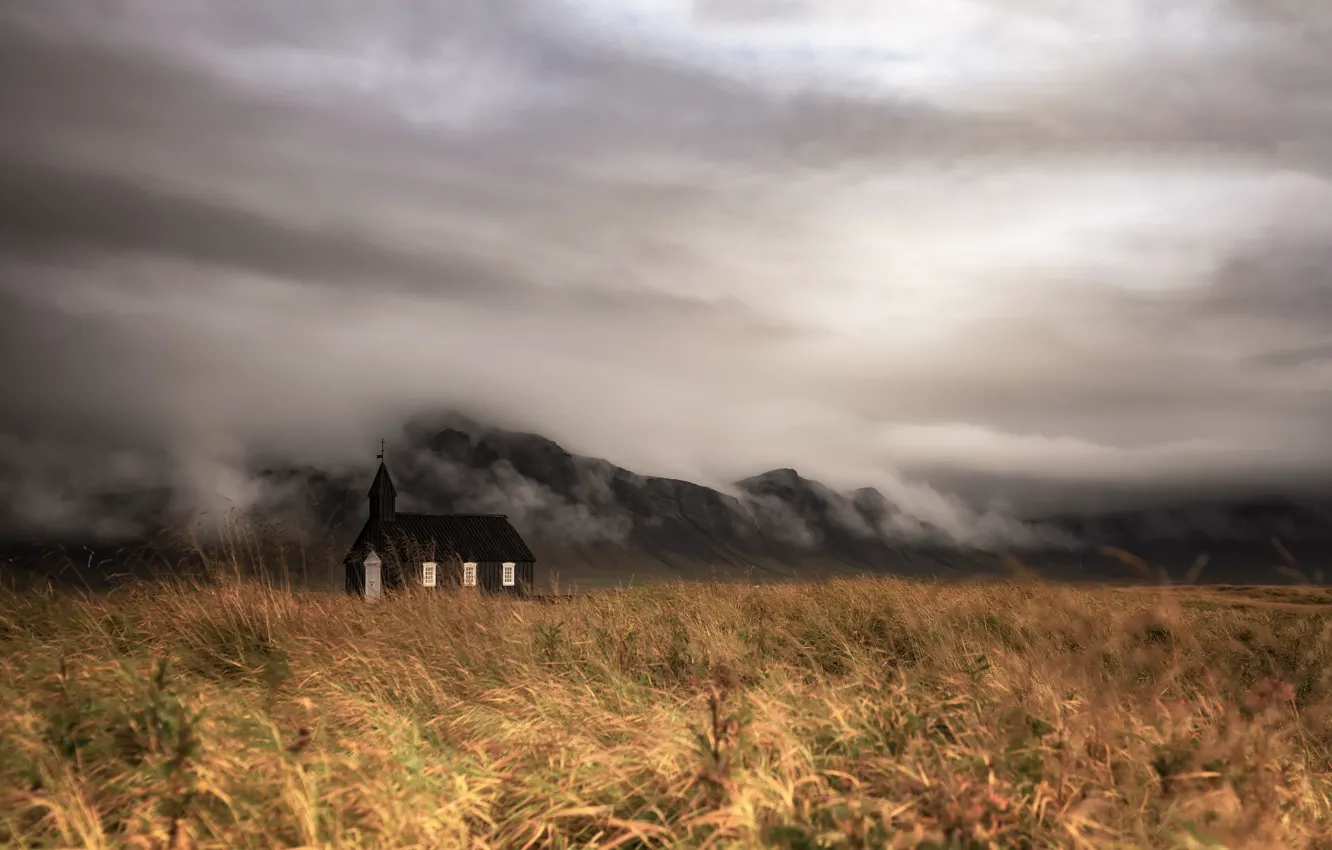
(580, 511)
(597, 523)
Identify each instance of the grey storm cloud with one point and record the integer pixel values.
(1056, 251)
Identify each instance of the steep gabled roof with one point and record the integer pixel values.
(473, 537)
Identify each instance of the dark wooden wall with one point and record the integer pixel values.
(355, 570)
(490, 575)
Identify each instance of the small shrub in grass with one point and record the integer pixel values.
(237, 651)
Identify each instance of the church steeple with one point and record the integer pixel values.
(382, 493)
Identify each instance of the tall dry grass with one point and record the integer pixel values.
(864, 713)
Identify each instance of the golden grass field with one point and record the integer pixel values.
(854, 713)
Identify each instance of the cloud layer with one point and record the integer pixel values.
(1014, 249)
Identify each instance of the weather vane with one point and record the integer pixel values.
(381, 449)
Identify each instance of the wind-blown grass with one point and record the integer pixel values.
(856, 713)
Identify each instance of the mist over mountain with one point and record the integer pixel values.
(594, 523)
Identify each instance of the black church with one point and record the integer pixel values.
(396, 550)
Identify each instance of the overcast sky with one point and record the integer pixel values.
(1081, 244)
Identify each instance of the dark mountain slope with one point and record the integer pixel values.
(595, 524)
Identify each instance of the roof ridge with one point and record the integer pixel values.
(409, 513)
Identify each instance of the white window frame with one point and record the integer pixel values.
(429, 573)
(469, 574)
(507, 576)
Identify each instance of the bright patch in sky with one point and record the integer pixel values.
(928, 253)
(956, 50)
